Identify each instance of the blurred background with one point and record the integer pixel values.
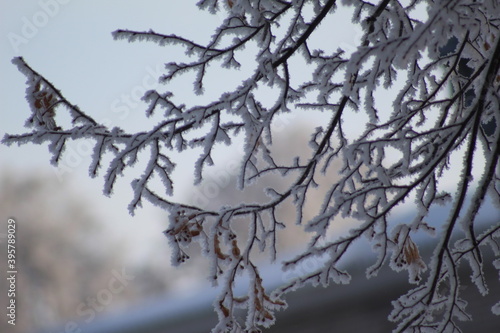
(81, 257)
(71, 239)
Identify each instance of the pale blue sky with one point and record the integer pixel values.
(71, 45)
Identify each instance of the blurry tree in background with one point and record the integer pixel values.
(412, 102)
(64, 258)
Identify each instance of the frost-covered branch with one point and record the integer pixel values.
(423, 77)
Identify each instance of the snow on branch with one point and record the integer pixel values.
(424, 80)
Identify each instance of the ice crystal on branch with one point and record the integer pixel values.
(426, 76)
